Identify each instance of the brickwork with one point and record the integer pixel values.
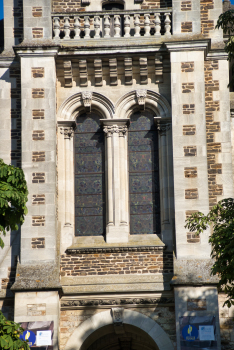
(190, 151)
(190, 172)
(196, 304)
(206, 23)
(10, 279)
(67, 6)
(38, 243)
(38, 220)
(38, 178)
(71, 319)
(188, 213)
(186, 5)
(38, 72)
(38, 135)
(36, 309)
(15, 92)
(18, 23)
(189, 109)
(37, 11)
(38, 93)
(187, 67)
(186, 27)
(37, 33)
(38, 199)
(189, 129)
(193, 238)
(152, 261)
(187, 88)
(38, 156)
(38, 114)
(191, 193)
(155, 4)
(212, 127)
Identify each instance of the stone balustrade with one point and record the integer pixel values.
(112, 24)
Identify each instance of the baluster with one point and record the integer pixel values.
(77, 28)
(167, 24)
(97, 27)
(157, 22)
(87, 27)
(106, 26)
(127, 26)
(147, 24)
(137, 25)
(116, 26)
(67, 27)
(56, 27)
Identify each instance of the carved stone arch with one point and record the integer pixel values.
(138, 99)
(105, 319)
(82, 101)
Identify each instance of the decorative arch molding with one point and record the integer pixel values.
(77, 103)
(123, 108)
(143, 98)
(133, 318)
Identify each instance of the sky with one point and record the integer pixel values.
(1, 8)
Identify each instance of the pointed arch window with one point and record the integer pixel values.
(144, 192)
(89, 176)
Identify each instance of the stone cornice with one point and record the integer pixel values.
(132, 301)
(90, 250)
(217, 55)
(188, 45)
(37, 50)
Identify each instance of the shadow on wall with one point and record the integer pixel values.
(1, 35)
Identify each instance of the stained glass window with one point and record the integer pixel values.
(143, 174)
(89, 176)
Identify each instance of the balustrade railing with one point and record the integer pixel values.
(114, 24)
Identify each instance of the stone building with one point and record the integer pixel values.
(119, 114)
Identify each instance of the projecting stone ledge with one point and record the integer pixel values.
(37, 277)
(193, 272)
(87, 245)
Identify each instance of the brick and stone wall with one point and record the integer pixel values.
(163, 314)
(212, 127)
(131, 262)
(207, 24)
(15, 94)
(67, 6)
(154, 4)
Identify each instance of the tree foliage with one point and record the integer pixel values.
(13, 198)
(10, 335)
(221, 218)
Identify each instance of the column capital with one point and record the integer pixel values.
(163, 125)
(119, 126)
(67, 128)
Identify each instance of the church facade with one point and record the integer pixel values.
(119, 114)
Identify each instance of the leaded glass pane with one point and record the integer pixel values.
(89, 176)
(143, 174)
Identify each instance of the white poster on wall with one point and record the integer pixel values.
(206, 333)
(43, 338)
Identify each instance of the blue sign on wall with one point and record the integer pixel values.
(30, 336)
(190, 333)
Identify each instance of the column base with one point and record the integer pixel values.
(117, 234)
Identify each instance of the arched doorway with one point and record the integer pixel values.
(134, 331)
